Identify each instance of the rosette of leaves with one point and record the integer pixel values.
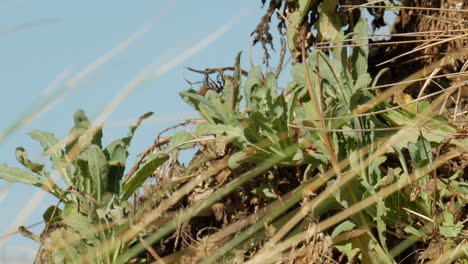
(341, 83)
(260, 130)
(92, 190)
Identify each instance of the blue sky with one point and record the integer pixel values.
(47, 40)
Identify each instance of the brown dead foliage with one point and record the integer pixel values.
(424, 33)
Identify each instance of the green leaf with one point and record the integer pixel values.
(117, 152)
(81, 119)
(204, 106)
(346, 247)
(253, 79)
(360, 53)
(82, 124)
(78, 222)
(152, 162)
(329, 24)
(98, 171)
(22, 157)
(381, 225)
(265, 191)
(296, 19)
(231, 94)
(117, 168)
(448, 227)
(82, 176)
(17, 175)
(362, 81)
(235, 134)
(413, 231)
(48, 141)
(374, 169)
(237, 68)
(179, 139)
(342, 228)
(134, 127)
(47, 215)
(223, 114)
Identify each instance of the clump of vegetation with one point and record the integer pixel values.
(332, 170)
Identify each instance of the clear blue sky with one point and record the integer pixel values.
(40, 40)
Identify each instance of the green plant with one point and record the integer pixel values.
(330, 166)
(339, 85)
(94, 193)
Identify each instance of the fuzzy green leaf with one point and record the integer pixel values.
(204, 106)
(17, 175)
(295, 20)
(360, 53)
(152, 162)
(81, 176)
(253, 79)
(345, 247)
(362, 82)
(448, 227)
(98, 171)
(117, 168)
(48, 141)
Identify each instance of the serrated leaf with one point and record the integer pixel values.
(346, 247)
(179, 139)
(381, 225)
(152, 162)
(448, 227)
(125, 142)
(48, 141)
